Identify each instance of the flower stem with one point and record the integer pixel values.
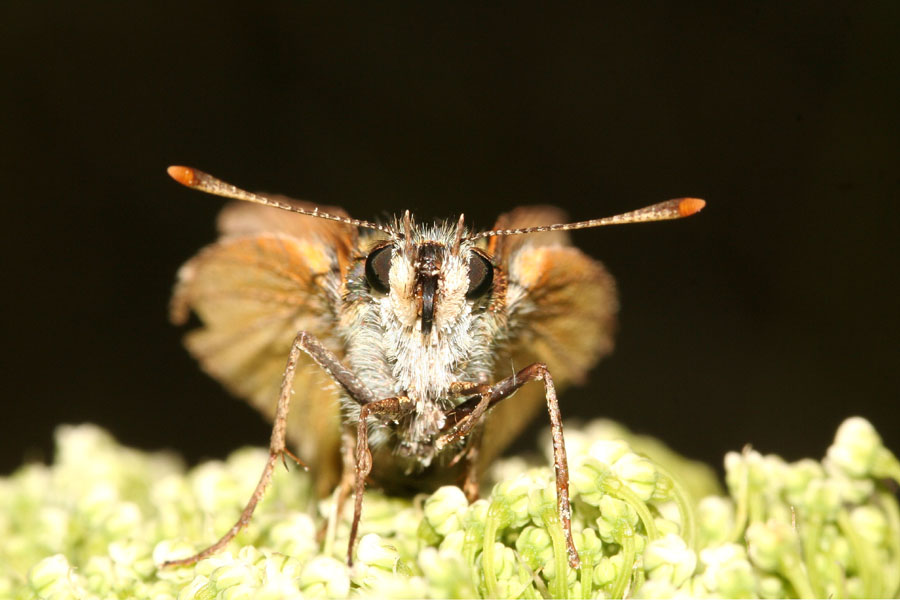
(624, 493)
(888, 503)
(559, 586)
(865, 562)
(811, 551)
(741, 495)
(685, 507)
(491, 525)
(624, 576)
(587, 576)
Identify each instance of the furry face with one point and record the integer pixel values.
(422, 323)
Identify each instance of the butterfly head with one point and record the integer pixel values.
(430, 273)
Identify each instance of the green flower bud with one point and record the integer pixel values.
(252, 555)
(48, 572)
(374, 551)
(215, 490)
(772, 587)
(510, 499)
(766, 543)
(834, 546)
(664, 487)
(727, 572)
(474, 524)
(100, 575)
(592, 480)
(453, 543)
(735, 472)
(666, 526)
(748, 466)
(241, 591)
(617, 519)
(95, 504)
(405, 524)
(134, 556)
(325, 577)
(822, 498)
(509, 467)
(870, 523)
(540, 500)
(855, 447)
(197, 589)
(388, 516)
(379, 570)
(295, 535)
(445, 508)
(607, 570)
(851, 489)
(125, 520)
(578, 442)
(638, 473)
(589, 545)
(799, 475)
(232, 574)
(508, 580)
(51, 528)
(774, 546)
(448, 576)
(54, 578)
(607, 452)
(670, 559)
(535, 547)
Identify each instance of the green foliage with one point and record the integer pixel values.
(647, 523)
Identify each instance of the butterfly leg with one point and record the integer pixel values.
(465, 417)
(386, 407)
(470, 482)
(348, 461)
(469, 479)
(303, 343)
(326, 533)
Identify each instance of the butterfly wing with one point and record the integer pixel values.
(271, 275)
(562, 307)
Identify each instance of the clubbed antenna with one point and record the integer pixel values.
(205, 182)
(670, 209)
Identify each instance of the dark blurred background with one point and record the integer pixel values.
(767, 319)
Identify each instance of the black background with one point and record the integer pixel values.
(767, 319)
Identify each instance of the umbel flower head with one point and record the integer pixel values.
(99, 521)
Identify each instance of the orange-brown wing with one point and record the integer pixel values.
(271, 275)
(562, 307)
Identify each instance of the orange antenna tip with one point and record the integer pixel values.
(183, 175)
(690, 206)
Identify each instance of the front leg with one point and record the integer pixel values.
(356, 389)
(469, 455)
(387, 407)
(462, 419)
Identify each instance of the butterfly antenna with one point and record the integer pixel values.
(670, 209)
(205, 182)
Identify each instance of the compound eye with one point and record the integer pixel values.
(481, 275)
(378, 268)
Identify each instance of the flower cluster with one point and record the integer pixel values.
(100, 521)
